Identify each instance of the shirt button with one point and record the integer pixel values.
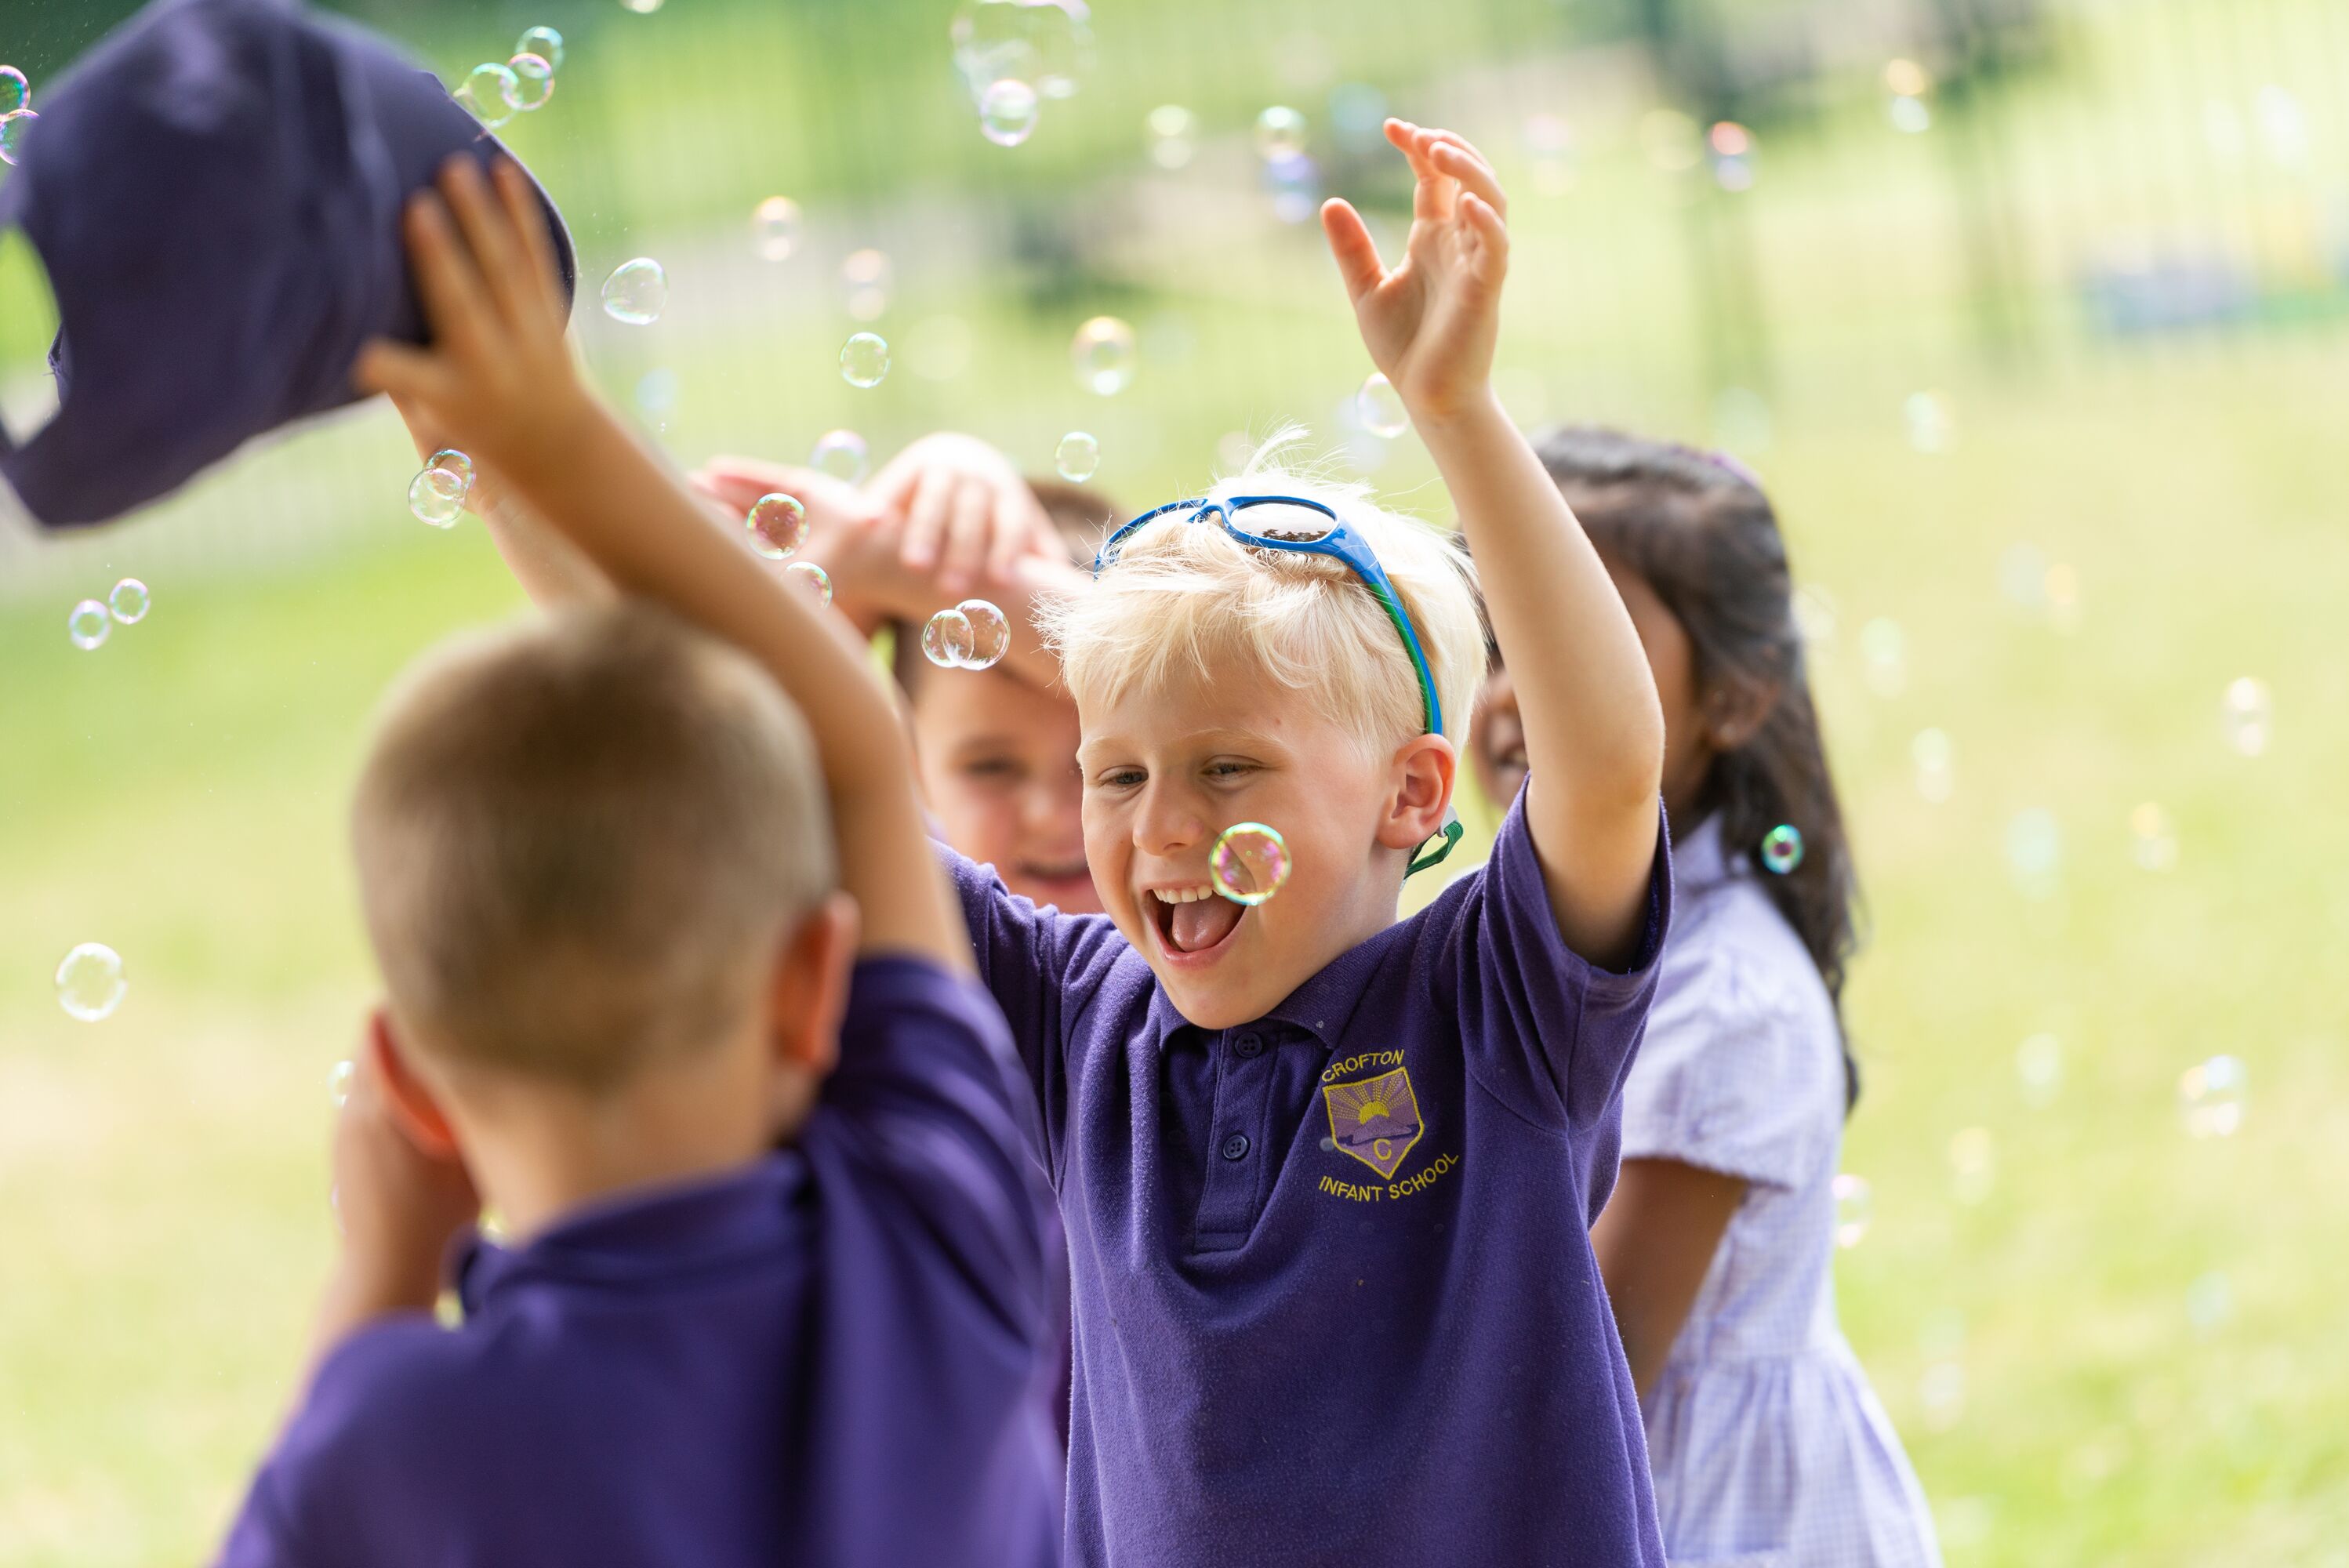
(1250, 1045)
(1235, 1147)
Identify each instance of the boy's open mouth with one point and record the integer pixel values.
(1192, 921)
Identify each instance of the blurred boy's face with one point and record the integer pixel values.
(1497, 739)
(997, 761)
(1167, 771)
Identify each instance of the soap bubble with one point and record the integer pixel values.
(1855, 1206)
(2247, 713)
(866, 275)
(946, 641)
(1102, 353)
(544, 42)
(778, 525)
(1782, 848)
(2211, 1096)
(1171, 129)
(1670, 139)
(1942, 1391)
(1077, 456)
(1060, 39)
(127, 603)
(1884, 657)
(2039, 1066)
(993, 39)
(489, 93)
(990, 633)
(864, 360)
(637, 292)
(88, 625)
(1910, 115)
(1250, 862)
(339, 1078)
(1279, 133)
(811, 577)
(641, 7)
(2154, 841)
(13, 128)
(657, 390)
(91, 985)
(449, 460)
(15, 92)
(840, 454)
(775, 228)
(437, 497)
(2209, 1301)
(1294, 182)
(1906, 78)
(533, 82)
(2035, 850)
(1936, 760)
(1007, 111)
(1549, 142)
(1379, 408)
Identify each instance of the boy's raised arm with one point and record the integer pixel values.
(1594, 730)
(499, 379)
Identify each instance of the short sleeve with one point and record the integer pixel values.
(1030, 959)
(262, 1537)
(1740, 1073)
(930, 1091)
(1547, 1030)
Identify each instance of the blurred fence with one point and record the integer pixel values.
(1728, 214)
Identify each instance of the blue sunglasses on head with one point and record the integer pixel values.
(1310, 527)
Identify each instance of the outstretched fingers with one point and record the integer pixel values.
(1456, 159)
(527, 214)
(1350, 241)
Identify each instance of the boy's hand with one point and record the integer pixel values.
(1432, 322)
(497, 380)
(399, 1206)
(961, 511)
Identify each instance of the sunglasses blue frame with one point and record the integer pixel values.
(1339, 543)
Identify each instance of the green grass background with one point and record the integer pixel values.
(179, 793)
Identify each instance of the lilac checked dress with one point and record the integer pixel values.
(1768, 1448)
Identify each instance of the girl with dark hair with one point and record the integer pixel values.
(1769, 1448)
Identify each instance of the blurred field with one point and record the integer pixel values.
(2035, 1297)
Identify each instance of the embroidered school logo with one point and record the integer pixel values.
(1375, 1119)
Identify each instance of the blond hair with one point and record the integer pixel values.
(580, 841)
(1184, 597)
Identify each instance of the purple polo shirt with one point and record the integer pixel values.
(1335, 1296)
(835, 1355)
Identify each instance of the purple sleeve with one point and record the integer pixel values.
(929, 1090)
(1550, 1033)
(260, 1537)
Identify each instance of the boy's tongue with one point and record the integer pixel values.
(1202, 925)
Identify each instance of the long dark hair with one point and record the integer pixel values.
(1701, 532)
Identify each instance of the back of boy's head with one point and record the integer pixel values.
(581, 842)
(1191, 598)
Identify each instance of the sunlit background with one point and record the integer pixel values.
(2034, 314)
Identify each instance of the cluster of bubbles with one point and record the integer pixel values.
(2248, 715)
(1013, 55)
(866, 275)
(494, 93)
(1854, 1206)
(90, 623)
(775, 228)
(637, 292)
(973, 635)
(1731, 148)
(91, 983)
(1549, 148)
(1077, 457)
(1102, 353)
(1291, 178)
(438, 495)
(1249, 864)
(17, 116)
(2212, 1095)
(1171, 136)
(864, 360)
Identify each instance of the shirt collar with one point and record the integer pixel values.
(656, 1234)
(1701, 860)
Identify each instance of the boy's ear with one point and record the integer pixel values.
(808, 992)
(1425, 771)
(413, 1103)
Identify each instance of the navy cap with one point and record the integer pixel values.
(216, 191)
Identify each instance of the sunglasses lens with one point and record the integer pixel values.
(1290, 523)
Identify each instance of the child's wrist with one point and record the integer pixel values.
(1476, 408)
